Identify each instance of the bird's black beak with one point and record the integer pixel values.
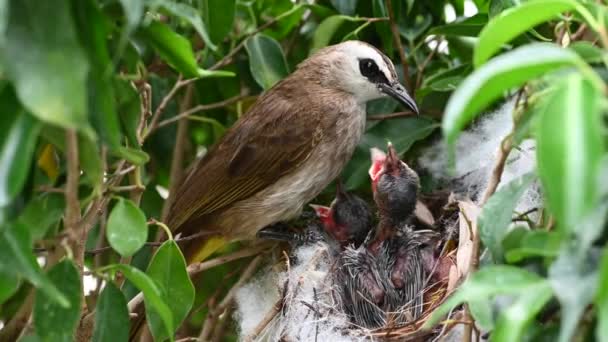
(398, 92)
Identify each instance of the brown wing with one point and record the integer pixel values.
(259, 149)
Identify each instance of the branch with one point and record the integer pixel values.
(200, 108)
(163, 104)
(76, 235)
(425, 63)
(243, 253)
(397, 41)
(177, 162)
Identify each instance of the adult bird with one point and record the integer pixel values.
(294, 140)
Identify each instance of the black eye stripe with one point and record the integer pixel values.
(370, 70)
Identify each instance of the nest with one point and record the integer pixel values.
(303, 305)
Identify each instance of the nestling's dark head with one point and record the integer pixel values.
(348, 219)
(395, 188)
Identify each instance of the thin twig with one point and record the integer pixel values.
(200, 108)
(177, 162)
(213, 315)
(243, 253)
(163, 104)
(421, 68)
(399, 46)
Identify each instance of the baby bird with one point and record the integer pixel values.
(382, 281)
(347, 220)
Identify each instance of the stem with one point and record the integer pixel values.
(72, 209)
(399, 46)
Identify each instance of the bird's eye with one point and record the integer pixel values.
(368, 68)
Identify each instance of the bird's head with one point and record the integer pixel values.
(348, 219)
(361, 70)
(395, 185)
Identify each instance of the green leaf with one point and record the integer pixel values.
(9, 284)
(17, 258)
(495, 218)
(515, 21)
(133, 155)
(4, 10)
(535, 243)
(403, 133)
(512, 321)
(266, 60)
(345, 6)
(168, 269)
(54, 322)
(173, 48)
(601, 298)
(485, 283)
(41, 213)
(326, 30)
(153, 296)
(133, 10)
(48, 70)
(574, 279)
(101, 100)
(482, 312)
(129, 107)
(17, 144)
(112, 316)
(190, 15)
(587, 51)
(490, 81)
(570, 148)
(127, 230)
(219, 18)
(468, 27)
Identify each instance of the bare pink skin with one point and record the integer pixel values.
(336, 231)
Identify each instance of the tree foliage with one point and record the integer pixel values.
(107, 102)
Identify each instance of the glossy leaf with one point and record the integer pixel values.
(469, 27)
(601, 298)
(515, 21)
(495, 217)
(345, 6)
(41, 213)
(512, 321)
(588, 52)
(101, 98)
(266, 60)
(191, 15)
(134, 10)
(173, 48)
(127, 230)
(503, 73)
(153, 296)
(50, 79)
(111, 316)
(54, 322)
(17, 258)
(17, 143)
(168, 269)
(326, 30)
(218, 17)
(536, 243)
(9, 284)
(574, 279)
(570, 149)
(487, 282)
